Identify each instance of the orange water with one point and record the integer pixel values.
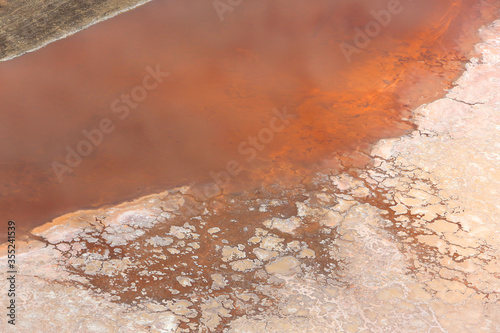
(227, 79)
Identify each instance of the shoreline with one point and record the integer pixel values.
(412, 242)
(369, 109)
(52, 25)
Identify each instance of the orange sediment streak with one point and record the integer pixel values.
(225, 80)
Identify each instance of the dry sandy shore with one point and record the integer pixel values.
(28, 25)
(410, 245)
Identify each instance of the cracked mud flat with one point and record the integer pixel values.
(408, 245)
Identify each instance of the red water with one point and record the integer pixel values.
(211, 118)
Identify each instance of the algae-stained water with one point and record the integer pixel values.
(95, 119)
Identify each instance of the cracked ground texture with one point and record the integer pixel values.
(409, 244)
